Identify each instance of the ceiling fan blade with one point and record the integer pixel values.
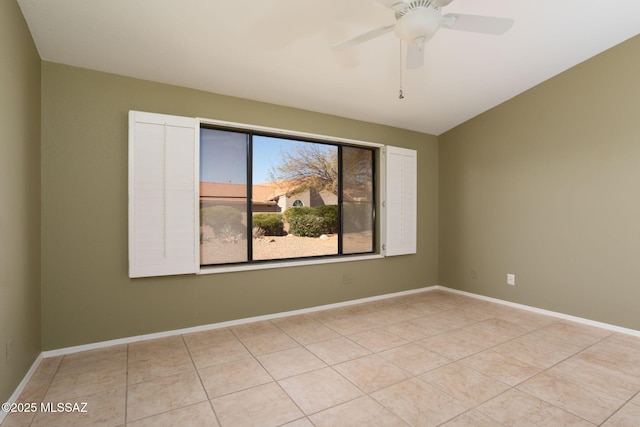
(397, 5)
(477, 23)
(440, 3)
(363, 37)
(415, 57)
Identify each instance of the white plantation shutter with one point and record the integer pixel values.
(401, 204)
(163, 195)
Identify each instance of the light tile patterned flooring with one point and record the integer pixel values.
(432, 358)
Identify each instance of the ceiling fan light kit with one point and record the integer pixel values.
(417, 22)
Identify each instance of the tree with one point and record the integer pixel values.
(308, 166)
(357, 172)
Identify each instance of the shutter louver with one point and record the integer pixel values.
(163, 195)
(401, 206)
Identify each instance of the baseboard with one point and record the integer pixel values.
(128, 340)
(22, 384)
(576, 319)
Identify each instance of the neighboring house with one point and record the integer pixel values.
(229, 194)
(267, 197)
(309, 197)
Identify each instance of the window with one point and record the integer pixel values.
(197, 183)
(265, 197)
(223, 197)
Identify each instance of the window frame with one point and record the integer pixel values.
(379, 191)
(163, 193)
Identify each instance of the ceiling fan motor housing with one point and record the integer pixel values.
(418, 22)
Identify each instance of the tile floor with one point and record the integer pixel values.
(427, 359)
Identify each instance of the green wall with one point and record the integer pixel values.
(547, 186)
(87, 296)
(544, 186)
(19, 199)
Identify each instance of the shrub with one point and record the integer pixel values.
(307, 225)
(257, 232)
(223, 220)
(301, 224)
(330, 215)
(271, 224)
(297, 211)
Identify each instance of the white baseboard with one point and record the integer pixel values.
(576, 319)
(102, 344)
(76, 349)
(22, 384)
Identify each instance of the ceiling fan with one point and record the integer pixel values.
(417, 21)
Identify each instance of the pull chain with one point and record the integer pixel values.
(401, 95)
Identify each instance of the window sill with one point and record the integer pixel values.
(276, 264)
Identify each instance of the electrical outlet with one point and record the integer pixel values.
(511, 279)
(474, 273)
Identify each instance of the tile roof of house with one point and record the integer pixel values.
(222, 190)
(262, 193)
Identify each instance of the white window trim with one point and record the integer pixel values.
(288, 133)
(381, 205)
(283, 264)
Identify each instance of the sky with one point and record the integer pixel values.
(223, 156)
(266, 155)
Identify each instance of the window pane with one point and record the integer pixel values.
(294, 198)
(357, 200)
(223, 197)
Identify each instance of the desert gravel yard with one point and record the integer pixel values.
(290, 246)
(270, 247)
(214, 251)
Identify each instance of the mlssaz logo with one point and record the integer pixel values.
(63, 407)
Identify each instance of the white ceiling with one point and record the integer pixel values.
(279, 51)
